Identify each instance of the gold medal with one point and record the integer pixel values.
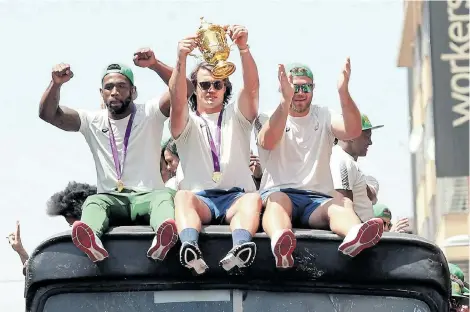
(120, 186)
(216, 176)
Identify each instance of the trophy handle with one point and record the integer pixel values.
(199, 57)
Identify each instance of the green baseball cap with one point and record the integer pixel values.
(366, 125)
(297, 69)
(459, 287)
(382, 211)
(120, 69)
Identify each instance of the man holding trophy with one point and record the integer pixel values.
(216, 133)
(295, 148)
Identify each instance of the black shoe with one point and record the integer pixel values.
(240, 256)
(191, 257)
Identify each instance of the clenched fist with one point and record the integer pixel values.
(61, 73)
(145, 58)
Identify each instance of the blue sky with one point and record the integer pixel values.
(39, 159)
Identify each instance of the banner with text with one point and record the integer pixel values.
(449, 32)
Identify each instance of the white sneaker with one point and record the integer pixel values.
(362, 236)
(86, 240)
(282, 248)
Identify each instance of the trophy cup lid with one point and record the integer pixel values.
(204, 24)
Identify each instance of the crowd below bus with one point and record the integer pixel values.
(305, 175)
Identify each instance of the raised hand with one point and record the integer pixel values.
(145, 57)
(255, 166)
(61, 73)
(343, 82)
(401, 226)
(285, 83)
(186, 46)
(14, 239)
(239, 35)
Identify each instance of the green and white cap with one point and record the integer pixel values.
(120, 69)
(366, 124)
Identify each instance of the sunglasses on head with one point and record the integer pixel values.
(206, 85)
(306, 87)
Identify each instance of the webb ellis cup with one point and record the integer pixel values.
(212, 42)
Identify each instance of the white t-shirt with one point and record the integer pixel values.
(142, 165)
(302, 157)
(196, 158)
(347, 176)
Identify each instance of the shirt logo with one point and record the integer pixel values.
(287, 129)
(104, 130)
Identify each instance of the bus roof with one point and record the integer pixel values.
(404, 264)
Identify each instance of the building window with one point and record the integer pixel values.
(425, 33)
(417, 60)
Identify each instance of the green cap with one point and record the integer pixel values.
(120, 69)
(297, 69)
(382, 211)
(459, 287)
(366, 125)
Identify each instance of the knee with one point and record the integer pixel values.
(279, 199)
(251, 203)
(185, 200)
(95, 201)
(162, 195)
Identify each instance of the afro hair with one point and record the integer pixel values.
(68, 203)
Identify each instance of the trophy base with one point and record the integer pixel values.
(223, 69)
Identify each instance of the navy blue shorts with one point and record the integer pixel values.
(304, 203)
(219, 201)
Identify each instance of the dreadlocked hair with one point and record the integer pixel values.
(68, 203)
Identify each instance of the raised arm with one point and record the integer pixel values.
(179, 89)
(15, 242)
(348, 125)
(273, 130)
(146, 58)
(249, 93)
(49, 110)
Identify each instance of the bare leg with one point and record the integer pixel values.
(277, 225)
(190, 211)
(245, 213)
(339, 216)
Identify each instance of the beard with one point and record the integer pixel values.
(299, 109)
(124, 105)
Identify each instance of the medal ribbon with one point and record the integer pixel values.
(112, 142)
(215, 151)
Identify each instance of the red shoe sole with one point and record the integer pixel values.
(167, 236)
(284, 248)
(368, 235)
(84, 238)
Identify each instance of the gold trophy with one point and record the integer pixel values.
(212, 42)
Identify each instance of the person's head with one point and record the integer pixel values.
(460, 292)
(117, 88)
(304, 84)
(68, 203)
(170, 155)
(383, 212)
(210, 94)
(359, 146)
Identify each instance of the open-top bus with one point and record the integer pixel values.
(402, 273)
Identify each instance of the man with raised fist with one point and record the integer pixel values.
(125, 142)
